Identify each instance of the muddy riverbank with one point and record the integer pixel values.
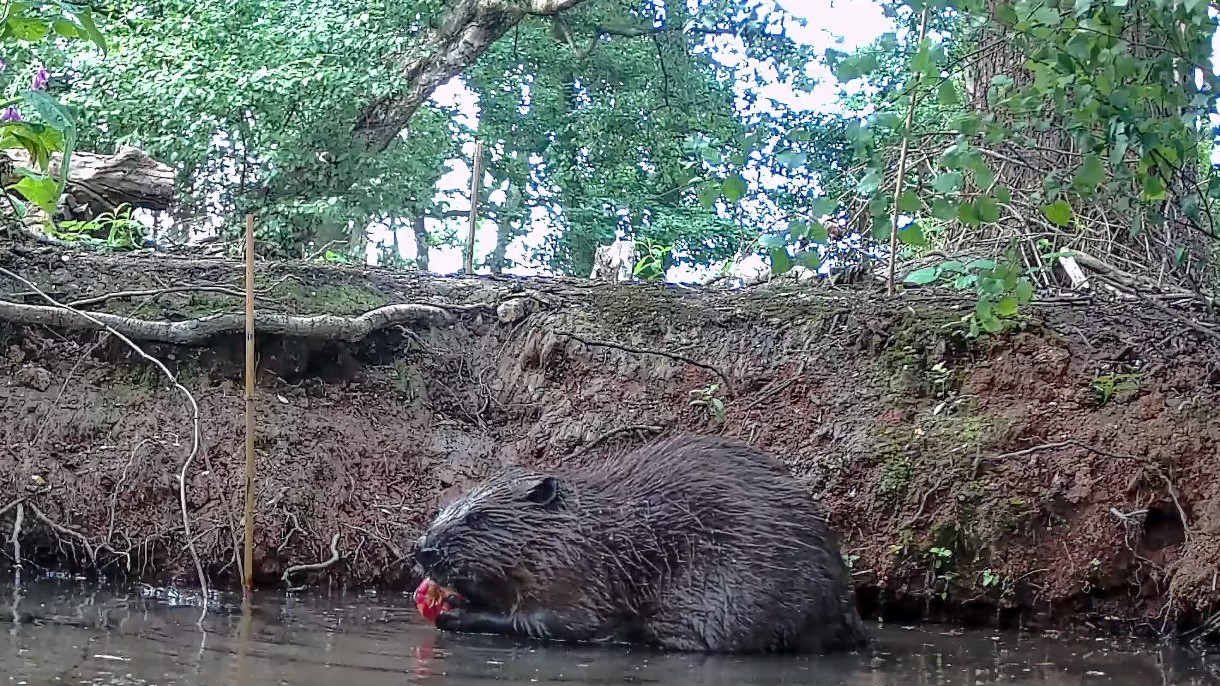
(1063, 474)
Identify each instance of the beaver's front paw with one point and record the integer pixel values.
(451, 619)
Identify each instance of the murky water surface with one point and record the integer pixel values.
(152, 637)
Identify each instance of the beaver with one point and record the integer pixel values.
(690, 543)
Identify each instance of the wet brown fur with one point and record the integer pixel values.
(689, 543)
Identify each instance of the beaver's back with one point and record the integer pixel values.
(718, 547)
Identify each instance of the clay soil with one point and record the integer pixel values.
(1061, 475)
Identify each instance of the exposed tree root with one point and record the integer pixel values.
(196, 433)
(199, 331)
(315, 566)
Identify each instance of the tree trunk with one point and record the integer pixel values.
(422, 242)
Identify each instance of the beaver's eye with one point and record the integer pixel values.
(473, 518)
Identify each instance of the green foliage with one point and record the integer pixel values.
(33, 120)
(653, 263)
(1106, 386)
(114, 230)
(708, 399)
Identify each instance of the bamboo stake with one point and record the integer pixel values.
(475, 181)
(248, 567)
(902, 163)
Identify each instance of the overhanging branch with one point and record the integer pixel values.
(466, 32)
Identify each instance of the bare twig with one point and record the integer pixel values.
(662, 353)
(902, 161)
(316, 566)
(196, 433)
(61, 529)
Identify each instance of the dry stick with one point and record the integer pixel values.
(248, 567)
(902, 162)
(316, 566)
(196, 433)
(475, 180)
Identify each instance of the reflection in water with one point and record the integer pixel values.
(115, 639)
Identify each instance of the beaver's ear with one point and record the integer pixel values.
(543, 491)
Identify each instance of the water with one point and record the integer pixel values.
(145, 638)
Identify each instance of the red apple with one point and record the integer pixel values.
(430, 599)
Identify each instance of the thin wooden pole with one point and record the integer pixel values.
(248, 568)
(902, 164)
(474, 204)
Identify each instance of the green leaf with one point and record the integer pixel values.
(821, 206)
(1025, 291)
(772, 240)
(952, 266)
(965, 281)
(50, 109)
(992, 325)
(734, 188)
(947, 182)
(1058, 213)
(780, 261)
(65, 28)
(968, 214)
(40, 190)
(791, 160)
(1154, 188)
(86, 20)
(946, 94)
(909, 202)
(922, 277)
(708, 194)
(817, 232)
(987, 209)
(870, 183)
(57, 117)
(1091, 173)
(1007, 306)
(944, 209)
(1048, 16)
(27, 29)
(809, 259)
(983, 176)
(912, 234)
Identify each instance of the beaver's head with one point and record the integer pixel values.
(497, 537)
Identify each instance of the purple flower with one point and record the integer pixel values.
(3, 65)
(11, 113)
(40, 79)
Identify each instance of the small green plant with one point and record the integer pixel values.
(991, 579)
(115, 230)
(706, 397)
(941, 557)
(906, 538)
(850, 560)
(1002, 288)
(651, 265)
(1106, 386)
(940, 377)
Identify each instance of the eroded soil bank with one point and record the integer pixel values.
(1065, 474)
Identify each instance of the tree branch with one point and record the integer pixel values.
(466, 32)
